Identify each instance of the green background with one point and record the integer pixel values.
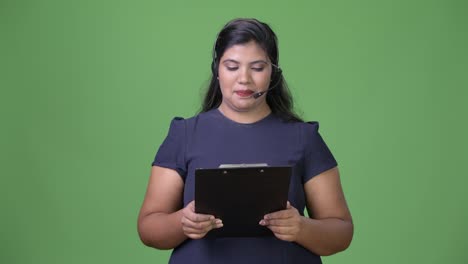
(88, 89)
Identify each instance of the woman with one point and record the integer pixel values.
(246, 117)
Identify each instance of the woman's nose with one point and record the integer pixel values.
(244, 76)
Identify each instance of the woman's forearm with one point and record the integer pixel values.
(161, 230)
(325, 237)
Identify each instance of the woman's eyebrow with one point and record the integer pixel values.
(259, 61)
(252, 62)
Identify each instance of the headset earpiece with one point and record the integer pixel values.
(275, 75)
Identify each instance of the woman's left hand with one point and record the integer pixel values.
(285, 224)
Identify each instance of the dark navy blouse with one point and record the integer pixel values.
(209, 140)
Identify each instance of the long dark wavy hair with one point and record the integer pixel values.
(241, 31)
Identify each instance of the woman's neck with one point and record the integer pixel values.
(245, 117)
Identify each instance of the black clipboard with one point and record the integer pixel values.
(240, 197)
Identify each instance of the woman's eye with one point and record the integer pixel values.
(232, 68)
(258, 69)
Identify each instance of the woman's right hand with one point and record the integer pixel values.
(196, 226)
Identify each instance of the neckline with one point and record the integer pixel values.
(218, 112)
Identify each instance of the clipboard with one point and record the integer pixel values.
(240, 197)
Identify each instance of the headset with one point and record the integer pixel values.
(276, 75)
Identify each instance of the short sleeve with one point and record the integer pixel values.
(171, 153)
(317, 156)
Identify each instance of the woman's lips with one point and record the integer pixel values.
(244, 93)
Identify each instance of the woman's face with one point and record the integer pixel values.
(244, 70)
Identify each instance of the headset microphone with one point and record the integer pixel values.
(258, 94)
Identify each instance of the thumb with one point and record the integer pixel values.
(192, 206)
